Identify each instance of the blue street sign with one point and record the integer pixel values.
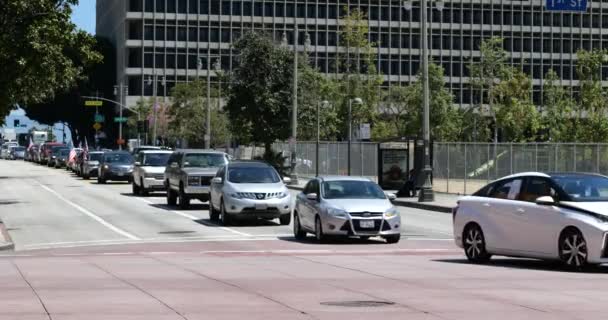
(566, 5)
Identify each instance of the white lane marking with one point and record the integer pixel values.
(90, 214)
(191, 217)
(75, 242)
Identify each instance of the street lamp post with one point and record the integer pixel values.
(426, 192)
(217, 67)
(323, 103)
(356, 101)
(120, 91)
(154, 84)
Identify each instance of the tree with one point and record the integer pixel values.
(593, 103)
(515, 112)
(260, 95)
(558, 106)
(359, 76)
(41, 51)
(188, 113)
(487, 73)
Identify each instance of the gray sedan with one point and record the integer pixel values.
(346, 206)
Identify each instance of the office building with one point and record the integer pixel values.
(168, 37)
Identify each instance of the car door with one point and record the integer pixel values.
(311, 206)
(174, 168)
(302, 205)
(498, 224)
(539, 225)
(137, 171)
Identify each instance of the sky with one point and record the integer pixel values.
(84, 15)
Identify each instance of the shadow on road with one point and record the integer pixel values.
(164, 206)
(240, 223)
(515, 263)
(149, 195)
(335, 241)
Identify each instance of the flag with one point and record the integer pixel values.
(31, 145)
(86, 149)
(72, 156)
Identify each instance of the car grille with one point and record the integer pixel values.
(267, 210)
(358, 229)
(199, 181)
(365, 214)
(158, 176)
(206, 181)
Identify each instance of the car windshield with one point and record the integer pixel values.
(19, 149)
(95, 156)
(124, 158)
(204, 160)
(584, 188)
(56, 149)
(156, 159)
(253, 175)
(351, 189)
(64, 152)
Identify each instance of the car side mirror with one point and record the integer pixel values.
(312, 196)
(545, 201)
(137, 163)
(286, 180)
(391, 197)
(217, 180)
(174, 165)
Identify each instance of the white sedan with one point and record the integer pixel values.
(561, 216)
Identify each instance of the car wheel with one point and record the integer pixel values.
(142, 190)
(393, 238)
(297, 228)
(475, 244)
(171, 197)
(319, 235)
(184, 201)
(214, 215)
(573, 248)
(136, 189)
(285, 219)
(85, 177)
(101, 180)
(225, 217)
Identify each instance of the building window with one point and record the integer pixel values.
(182, 6)
(135, 5)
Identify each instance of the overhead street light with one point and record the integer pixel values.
(356, 101)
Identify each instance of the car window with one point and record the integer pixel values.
(508, 189)
(95, 156)
(123, 158)
(204, 160)
(308, 187)
(536, 188)
(253, 175)
(351, 189)
(584, 187)
(220, 172)
(154, 159)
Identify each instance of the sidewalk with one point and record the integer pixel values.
(444, 202)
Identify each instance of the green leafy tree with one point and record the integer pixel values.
(359, 76)
(558, 109)
(260, 95)
(41, 51)
(593, 105)
(515, 113)
(188, 114)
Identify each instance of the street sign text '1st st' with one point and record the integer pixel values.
(566, 5)
(93, 103)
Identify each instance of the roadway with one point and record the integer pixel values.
(88, 251)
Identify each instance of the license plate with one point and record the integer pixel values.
(260, 206)
(366, 224)
(120, 174)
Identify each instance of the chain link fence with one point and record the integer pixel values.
(463, 168)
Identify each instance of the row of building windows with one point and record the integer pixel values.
(452, 13)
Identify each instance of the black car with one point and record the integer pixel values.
(62, 158)
(55, 155)
(116, 166)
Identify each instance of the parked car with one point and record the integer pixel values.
(115, 166)
(55, 154)
(346, 206)
(17, 153)
(90, 164)
(149, 171)
(249, 189)
(62, 158)
(45, 151)
(188, 175)
(554, 216)
(4, 151)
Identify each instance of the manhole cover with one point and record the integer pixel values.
(175, 232)
(358, 304)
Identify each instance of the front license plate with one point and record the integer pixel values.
(260, 206)
(120, 174)
(366, 224)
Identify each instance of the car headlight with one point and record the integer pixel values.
(106, 167)
(282, 195)
(390, 213)
(53, 157)
(236, 195)
(337, 212)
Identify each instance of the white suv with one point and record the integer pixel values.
(149, 171)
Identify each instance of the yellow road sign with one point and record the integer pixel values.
(93, 103)
(97, 126)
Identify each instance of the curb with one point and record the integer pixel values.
(408, 204)
(4, 235)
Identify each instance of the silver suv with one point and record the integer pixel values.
(188, 175)
(249, 189)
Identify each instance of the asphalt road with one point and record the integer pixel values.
(50, 208)
(88, 251)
